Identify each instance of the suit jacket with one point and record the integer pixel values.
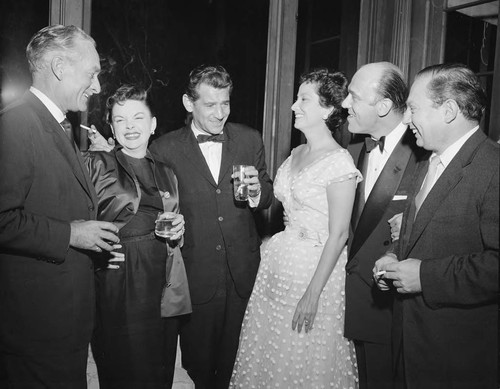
(46, 287)
(219, 230)
(450, 330)
(368, 313)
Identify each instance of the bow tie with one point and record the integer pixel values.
(371, 143)
(210, 138)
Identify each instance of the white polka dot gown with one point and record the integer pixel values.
(270, 354)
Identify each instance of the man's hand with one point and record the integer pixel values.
(405, 275)
(379, 270)
(252, 180)
(93, 235)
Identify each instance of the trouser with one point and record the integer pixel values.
(374, 365)
(210, 337)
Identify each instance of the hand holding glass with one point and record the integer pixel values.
(239, 184)
(169, 225)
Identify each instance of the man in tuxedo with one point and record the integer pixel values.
(221, 246)
(387, 158)
(47, 219)
(446, 314)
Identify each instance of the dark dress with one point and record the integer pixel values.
(133, 345)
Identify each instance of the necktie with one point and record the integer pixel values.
(428, 182)
(210, 138)
(66, 125)
(371, 143)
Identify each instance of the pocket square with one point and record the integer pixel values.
(399, 197)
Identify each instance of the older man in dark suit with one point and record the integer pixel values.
(387, 158)
(221, 247)
(446, 316)
(47, 203)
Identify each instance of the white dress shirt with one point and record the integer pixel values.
(377, 159)
(447, 155)
(53, 109)
(212, 151)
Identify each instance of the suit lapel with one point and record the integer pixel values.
(68, 150)
(382, 194)
(194, 156)
(450, 178)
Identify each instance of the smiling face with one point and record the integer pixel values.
(132, 125)
(307, 108)
(424, 118)
(78, 81)
(361, 102)
(211, 109)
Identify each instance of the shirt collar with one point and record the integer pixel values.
(452, 150)
(392, 138)
(51, 106)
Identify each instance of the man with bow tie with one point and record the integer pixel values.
(221, 246)
(387, 158)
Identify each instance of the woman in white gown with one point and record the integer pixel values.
(292, 334)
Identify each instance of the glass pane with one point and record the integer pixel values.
(472, 41)
(158, 42)
(19, 20)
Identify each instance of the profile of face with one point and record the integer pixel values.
(361, 101)
(132, 124)
(309, 113)
(211, 109)
(424, 118)
(78, 77)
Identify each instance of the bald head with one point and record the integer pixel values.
(377, 99)
(387, 82)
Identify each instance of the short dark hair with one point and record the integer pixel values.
(50, 39)
(332, 90)
(215, 76)
(457, 82)
(127, 92)
(392, 86)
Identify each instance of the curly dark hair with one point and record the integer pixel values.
(127, 92)
(332, 90)
(215, 76)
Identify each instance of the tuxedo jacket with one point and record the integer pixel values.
(220, 231)
(368, 314)
(46, 287)
(448, 333)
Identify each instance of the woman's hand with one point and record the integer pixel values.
(178, 228)
(116, 258)
(97, 141)
(305, 313)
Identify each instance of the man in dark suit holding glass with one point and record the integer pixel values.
(221, 247)
(47, 219)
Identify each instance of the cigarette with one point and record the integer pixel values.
(380, 273)
(93, 131)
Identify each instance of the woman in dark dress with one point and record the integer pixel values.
(139, 300)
